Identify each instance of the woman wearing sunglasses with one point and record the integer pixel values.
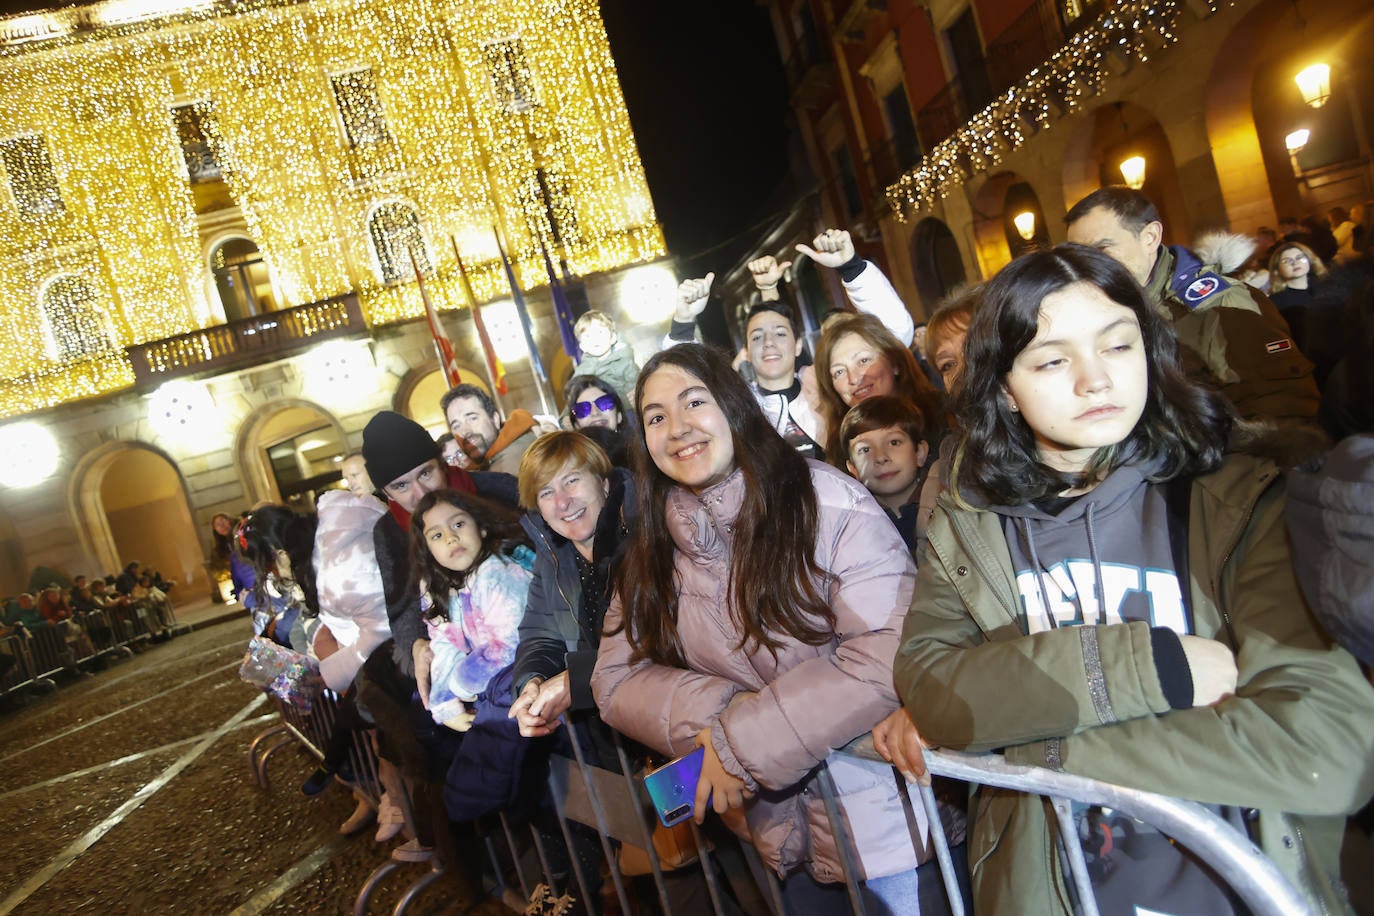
(593, 402)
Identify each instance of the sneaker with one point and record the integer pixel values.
(390, 820)
(412, 851)
(318, 782)
(359, 820)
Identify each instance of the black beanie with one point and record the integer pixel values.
(393, 446)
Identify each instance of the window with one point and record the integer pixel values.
(191, 123)
(241, 279)
(512, 80)
(849, 182)
(395, 231)
(903, 129)
(77, 327)
(355, 93)
(32, 179)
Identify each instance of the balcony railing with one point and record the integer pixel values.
(252, 340)
(1023, 45)
(941, 116)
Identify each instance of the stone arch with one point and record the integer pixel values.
(280, 421)
(1252, 104)
(418, 394)
(935, 262)
(130, 501)
(995, 203)
(1111, 133)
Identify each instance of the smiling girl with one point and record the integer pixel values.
(1107, 593)
(473, 565)
(756, 616)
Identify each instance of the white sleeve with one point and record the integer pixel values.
(872, 292)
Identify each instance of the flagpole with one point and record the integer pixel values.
(447, 363)
(488, 352)
(536, 364)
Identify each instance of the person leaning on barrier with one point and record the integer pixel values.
(1106, 592)
(755, 616)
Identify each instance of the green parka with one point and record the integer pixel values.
(1295, 742)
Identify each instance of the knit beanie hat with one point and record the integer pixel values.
(394, 445)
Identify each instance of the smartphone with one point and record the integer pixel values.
(673, 787)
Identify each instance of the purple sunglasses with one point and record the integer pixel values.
(583, 409)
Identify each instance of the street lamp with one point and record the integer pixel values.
(1025, 224)
(1133, 171)
(1296, 141)
(1314, 83)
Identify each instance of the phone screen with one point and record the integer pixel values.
(673, 787)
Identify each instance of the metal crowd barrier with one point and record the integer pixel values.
(615, 805)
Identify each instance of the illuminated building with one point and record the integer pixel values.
(203, 190)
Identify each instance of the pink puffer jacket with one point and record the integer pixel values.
(812, 700)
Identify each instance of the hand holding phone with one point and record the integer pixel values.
(673, 787)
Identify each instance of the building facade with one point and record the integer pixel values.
(211, 219)
(931, 126)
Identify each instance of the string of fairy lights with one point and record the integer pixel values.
(1074, 75)
(346, 132)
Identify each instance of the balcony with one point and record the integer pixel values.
(1023, 45)
(259, 339)
(810, 77)
(852, 23)
(941, 116)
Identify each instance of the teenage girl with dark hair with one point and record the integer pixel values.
(755, 616)
(1106, 592)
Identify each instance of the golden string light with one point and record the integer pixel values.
(453, 116)
(1074, 75)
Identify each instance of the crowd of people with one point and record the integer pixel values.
(69, 623)
(1052, 523)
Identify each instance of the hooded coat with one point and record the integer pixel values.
(1294, 743)
(773, 720)
(348, 582)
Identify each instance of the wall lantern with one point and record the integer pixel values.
(1314, 83)
(1133, 172)
(1296, 141)
(28, 454)
(1025, 224)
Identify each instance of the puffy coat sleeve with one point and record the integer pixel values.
(542, 648)
(499, 591)
(349, 582)
(871, 291)
(1298, 734)
(775, 737)
(661, 707)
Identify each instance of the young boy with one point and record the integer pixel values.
(605, 355)
(884, 439)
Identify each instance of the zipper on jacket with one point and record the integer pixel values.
(556, 581)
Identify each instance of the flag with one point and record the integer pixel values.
(562, 309)
(535, 362)
(496, 372)
(448, 363)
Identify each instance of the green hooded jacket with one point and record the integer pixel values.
(1295, 742)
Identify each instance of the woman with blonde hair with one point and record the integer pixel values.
(1294, 275)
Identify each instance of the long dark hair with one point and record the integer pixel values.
(911, 383)
(270, 528)
(1185, 424)
(775, 587)
(503, 534)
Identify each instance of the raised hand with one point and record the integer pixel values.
(692, 296)
(768, 271)
(831, 248)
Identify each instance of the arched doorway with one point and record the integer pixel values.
(998, 202)
(130, 503)
(1253, 103)
(242, 280)
(936, 262)
(289, 451)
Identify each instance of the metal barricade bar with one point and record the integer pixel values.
(1232, 856)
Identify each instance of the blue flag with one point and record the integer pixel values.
(522, 311)
(563, 309)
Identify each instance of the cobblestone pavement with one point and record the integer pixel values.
(129, 792)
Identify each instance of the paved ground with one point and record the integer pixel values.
(129, 792)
